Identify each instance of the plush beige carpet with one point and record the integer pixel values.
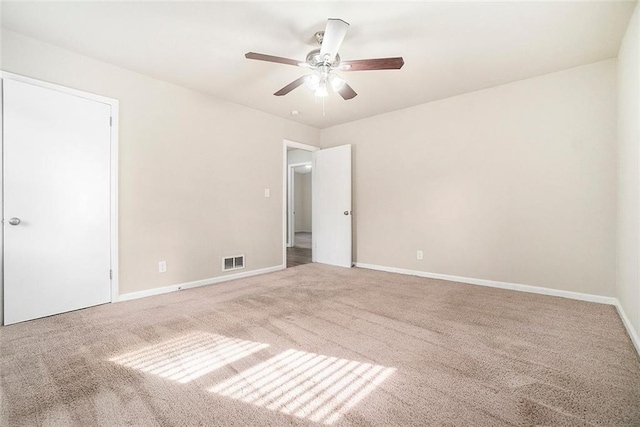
(315, 345)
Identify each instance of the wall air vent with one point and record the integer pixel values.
(233, 263)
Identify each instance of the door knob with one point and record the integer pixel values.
(346, 212)
(14, 221)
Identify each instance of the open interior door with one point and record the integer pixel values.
(331, 217)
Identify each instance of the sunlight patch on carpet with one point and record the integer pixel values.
(307, 385)
(188, 356)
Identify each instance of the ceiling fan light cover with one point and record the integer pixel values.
(337, 82)
(312, 81)
(321, 91)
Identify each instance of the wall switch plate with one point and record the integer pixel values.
(419, 255)
(267, 192)
(162, 267)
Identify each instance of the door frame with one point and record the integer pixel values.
(285, 177)
(291, 197)
(113, 103)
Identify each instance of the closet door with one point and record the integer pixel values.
(56, 212)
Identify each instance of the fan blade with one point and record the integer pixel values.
(271, 58)
(333, 35)
(347, 92)
(372, 64)
(291, 86)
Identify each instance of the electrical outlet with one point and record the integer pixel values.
(419, 255)
(162, 267)
(267, 192)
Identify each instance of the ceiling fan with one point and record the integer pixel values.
(325, 61)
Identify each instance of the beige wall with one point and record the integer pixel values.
(193, 169)
(298, 156)
(515, 183)
(628, 286)
(302, 201)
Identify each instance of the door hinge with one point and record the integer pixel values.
(110, 121)
(110, 274)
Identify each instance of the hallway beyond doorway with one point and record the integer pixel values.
(301, 253)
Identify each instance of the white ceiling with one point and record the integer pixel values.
(449, 48)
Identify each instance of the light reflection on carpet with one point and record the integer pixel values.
(306, 385)
(189, 356)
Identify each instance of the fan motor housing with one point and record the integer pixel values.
(315, 59)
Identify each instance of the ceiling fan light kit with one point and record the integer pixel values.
(323, 62)
(337, 83)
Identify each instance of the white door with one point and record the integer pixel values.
(56, 214)
(331, 221)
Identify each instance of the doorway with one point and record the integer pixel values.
(331, 225)
(299, 240)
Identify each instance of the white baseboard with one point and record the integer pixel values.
(633, 334)
(493, 284)
(197, 283)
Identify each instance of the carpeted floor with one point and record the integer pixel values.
(314, 345)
